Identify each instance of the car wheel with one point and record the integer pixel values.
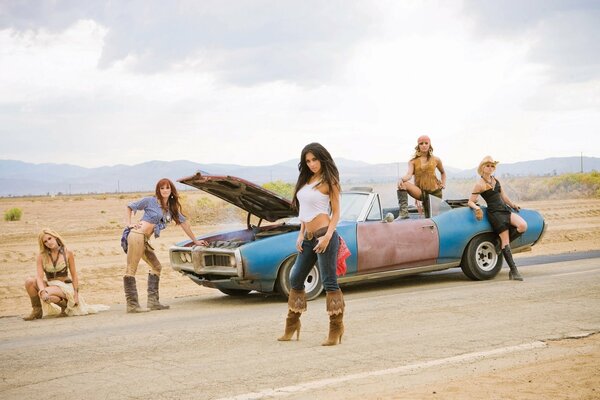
(312, 285)
(235, 292)
(480, 261)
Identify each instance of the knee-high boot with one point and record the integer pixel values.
(36, 309)
(131, 295)
(335, 309)
(514, 272)
(296, 306)
(402, 203)
(153, 303)
(513, 234)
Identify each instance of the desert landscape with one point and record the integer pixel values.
(91, 226)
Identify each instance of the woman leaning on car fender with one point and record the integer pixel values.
(317, 199)
(504, 220)
(159, 210)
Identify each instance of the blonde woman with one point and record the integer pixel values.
(55, 288)
(422, 166)
(501, 211)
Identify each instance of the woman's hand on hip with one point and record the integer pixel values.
(322, 244)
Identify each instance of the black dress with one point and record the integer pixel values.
(497, 210)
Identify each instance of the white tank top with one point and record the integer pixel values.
(312, 202)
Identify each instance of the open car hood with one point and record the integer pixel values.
(246, 195)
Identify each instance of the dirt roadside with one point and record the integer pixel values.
(91, 226)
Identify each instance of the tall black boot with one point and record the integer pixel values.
(514, 272)
(153, 303)
(402, 203)
(513, 234)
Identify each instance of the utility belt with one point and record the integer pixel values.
(316, 234)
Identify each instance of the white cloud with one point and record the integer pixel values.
(83, 92)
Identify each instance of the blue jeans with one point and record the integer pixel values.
(327, 262)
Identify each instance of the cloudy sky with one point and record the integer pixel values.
(97, 83)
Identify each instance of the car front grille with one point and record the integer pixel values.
(217, 260)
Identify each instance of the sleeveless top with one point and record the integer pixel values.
(425, 177)
(493, 198)
(58, 268)
(311, 202)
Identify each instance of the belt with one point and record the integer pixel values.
(316, 234)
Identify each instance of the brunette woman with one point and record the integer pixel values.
(422, 166)
(317, 199)
(501, 211)
(53, 291)
(159, 210)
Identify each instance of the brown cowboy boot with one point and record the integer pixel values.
(153, 303)
(402, 203)
(296, 305)
(36, 312)
(335, 309)
(63, 307)
(131, 295)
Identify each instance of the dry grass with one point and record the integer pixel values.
(92, 224)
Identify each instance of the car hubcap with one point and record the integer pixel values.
(312, 280)
(486, 256)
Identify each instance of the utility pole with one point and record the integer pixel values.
(582, 162)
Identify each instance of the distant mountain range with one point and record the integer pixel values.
(19, 178)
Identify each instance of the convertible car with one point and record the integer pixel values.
(260, 256)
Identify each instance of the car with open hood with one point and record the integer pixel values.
(260, 256)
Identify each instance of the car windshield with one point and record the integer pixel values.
(438, 206)
(351, 205)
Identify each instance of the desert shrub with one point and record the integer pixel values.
(211, 211)
(281, 188)
(14, 214)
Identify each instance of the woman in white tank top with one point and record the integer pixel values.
(317, 199)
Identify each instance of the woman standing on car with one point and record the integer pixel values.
(52, 291)
(500, 209)
(159, 210)
(422, 166)
(317, 199)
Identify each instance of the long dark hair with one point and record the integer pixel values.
(329, 171)
(174, 207)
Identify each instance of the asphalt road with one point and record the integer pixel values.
(399, 334)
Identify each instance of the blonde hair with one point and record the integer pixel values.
(44, 251)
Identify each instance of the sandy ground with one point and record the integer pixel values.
(91, 226)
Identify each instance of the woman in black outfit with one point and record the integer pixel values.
(502, 212)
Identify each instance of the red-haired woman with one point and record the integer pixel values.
(159, 210)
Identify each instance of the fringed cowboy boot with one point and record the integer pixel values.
(514, 272)
(335, 309)
(402, 203)
(153, 303)
(131, 295)
(296, 306)
(36, 311)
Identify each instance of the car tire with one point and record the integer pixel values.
(480, 261)
(235, 292)
(313, 283)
